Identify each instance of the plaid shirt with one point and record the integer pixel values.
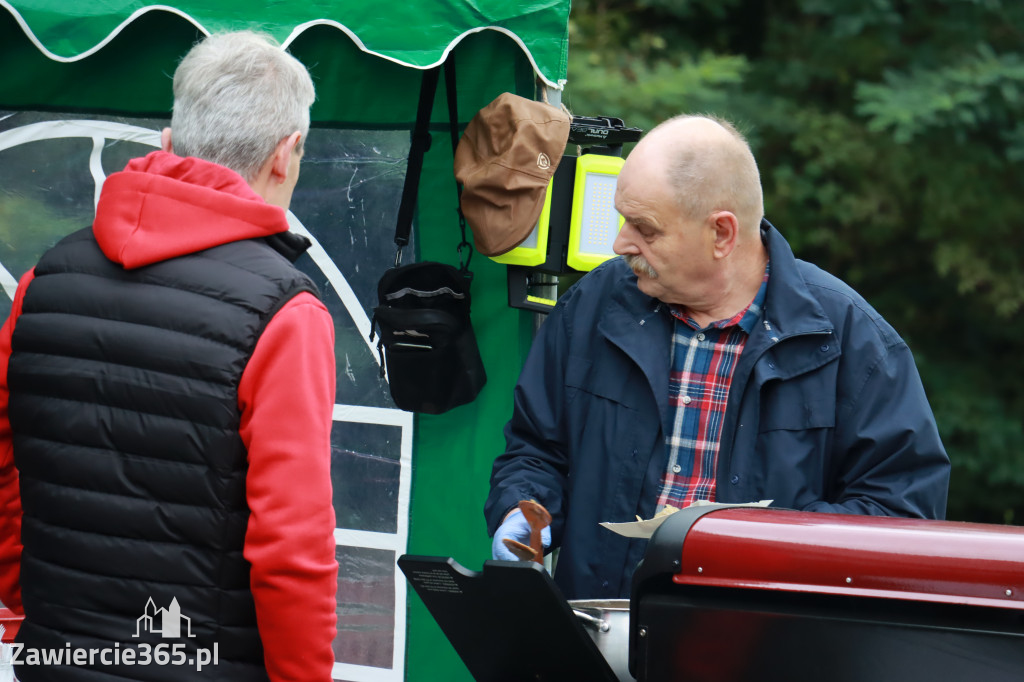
(703, 361)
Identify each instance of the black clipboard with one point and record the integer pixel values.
(508, 622)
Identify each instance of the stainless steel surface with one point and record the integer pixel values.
(607, 623)
(601, 625)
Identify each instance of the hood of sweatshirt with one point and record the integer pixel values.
(162, 206)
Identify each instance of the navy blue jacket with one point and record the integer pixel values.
(826, 413)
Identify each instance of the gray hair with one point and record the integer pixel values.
(715, 175)
(236, 95)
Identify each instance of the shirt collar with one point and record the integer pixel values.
(744, 319)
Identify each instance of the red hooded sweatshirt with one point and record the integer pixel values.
(163, 206)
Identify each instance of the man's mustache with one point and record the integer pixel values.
(640, 265)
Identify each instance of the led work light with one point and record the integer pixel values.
(578, 223)
(534, 249)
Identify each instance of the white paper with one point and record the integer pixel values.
(645, 529)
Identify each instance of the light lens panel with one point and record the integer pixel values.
(595, 223)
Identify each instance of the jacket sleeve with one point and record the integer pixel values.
(535, 464)
(287, 398)
(892, 459)
(10, 495)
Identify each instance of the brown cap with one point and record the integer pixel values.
(505, 159)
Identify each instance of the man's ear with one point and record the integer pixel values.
(283, 155)
(727, 228)
(165, 140)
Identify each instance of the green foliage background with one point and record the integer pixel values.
(890, 141)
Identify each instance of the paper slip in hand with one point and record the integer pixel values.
(645, 529)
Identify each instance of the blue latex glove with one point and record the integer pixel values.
(516, 528)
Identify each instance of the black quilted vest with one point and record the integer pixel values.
(124, 408)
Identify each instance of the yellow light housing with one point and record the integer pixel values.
(594, 223)
(534, 249)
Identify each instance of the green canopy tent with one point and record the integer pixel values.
(85, 86)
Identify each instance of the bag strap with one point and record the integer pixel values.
(453, 119)
(420, 145)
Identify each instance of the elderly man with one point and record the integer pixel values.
(708, 363)
(166, 390)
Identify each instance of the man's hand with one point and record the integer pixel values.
(515, 527)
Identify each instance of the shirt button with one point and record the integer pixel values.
(824, 347)
(734, 480)
(700, 337)
(686, 400)
(676, 468)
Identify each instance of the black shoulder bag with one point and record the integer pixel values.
(426, 341)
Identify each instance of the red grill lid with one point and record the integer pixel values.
(921, 560)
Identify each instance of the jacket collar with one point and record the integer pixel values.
(789, 307)
(641, 326)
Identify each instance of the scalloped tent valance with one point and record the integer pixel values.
(417, 34)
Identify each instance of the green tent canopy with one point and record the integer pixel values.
(416, 34)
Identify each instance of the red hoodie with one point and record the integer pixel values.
(163, 206)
